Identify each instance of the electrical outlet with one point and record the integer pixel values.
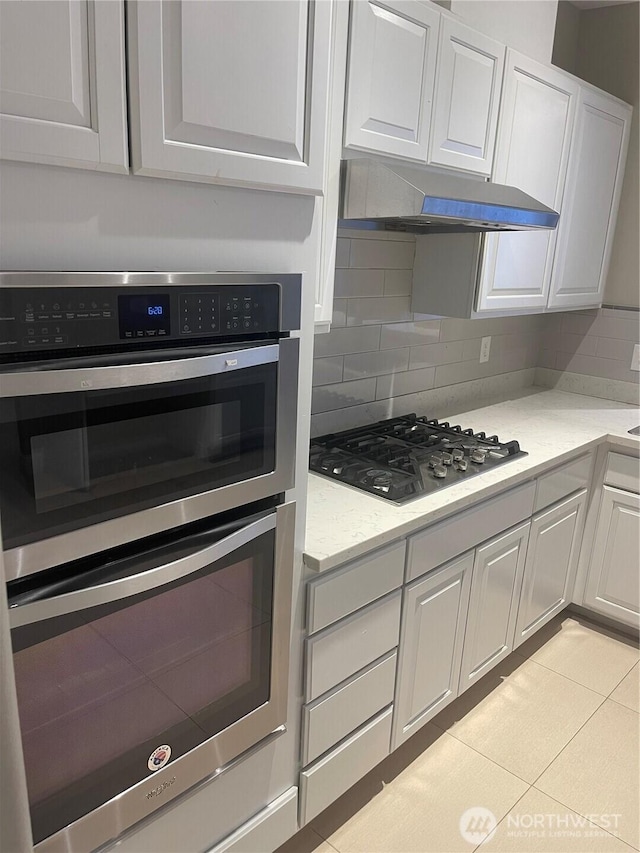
(485, 348)
(635, 358)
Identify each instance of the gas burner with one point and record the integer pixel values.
(403, 458)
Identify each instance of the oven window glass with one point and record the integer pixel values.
(74, 459)
(100, 692)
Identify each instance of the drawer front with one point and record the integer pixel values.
(447, 539)
(334, 774)
(267, 830)
(333, 717)
(563, 481)
(339, 593)
(623, 472)
(341, 650)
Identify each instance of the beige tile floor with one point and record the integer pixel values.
(547, 743)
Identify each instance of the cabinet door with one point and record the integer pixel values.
(62, 95)
(431, 638)
(612, 584)
(590, 207)
(493, 605)
(465, 112)
(534, 135)
(229, 92)
(552, 556)
(392, 61)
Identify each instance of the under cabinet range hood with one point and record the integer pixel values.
(400, 198)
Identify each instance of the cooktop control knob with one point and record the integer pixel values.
(447, 458)
(439, 471)
(478, 455)
(457, 455)
(435, 459)
(461, 464)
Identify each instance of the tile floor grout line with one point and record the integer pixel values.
(504, 817)
(568, 677)
(622, 705)
(623, 678)
(595, 710)
(492, 760)
(571, 809)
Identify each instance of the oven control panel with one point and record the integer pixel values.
(75, 317)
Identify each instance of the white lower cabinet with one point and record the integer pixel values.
(552, 555)
(612, 582)
(431, 638)
(493, 605)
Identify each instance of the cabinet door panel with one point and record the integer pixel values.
(612, 585)
(552, 555)
(532, 153)
(432, 635)
(594, 184)
(62, 99)
(222, 91)
(391, 77)
(493, 605)
(465, 113)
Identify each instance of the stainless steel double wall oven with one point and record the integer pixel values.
(147, 436)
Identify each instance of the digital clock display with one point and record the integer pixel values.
(143, 315)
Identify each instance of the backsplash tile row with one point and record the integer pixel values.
(378, 350)
(592, 343)
(381, 358)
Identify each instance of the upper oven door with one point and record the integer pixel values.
(100, 454)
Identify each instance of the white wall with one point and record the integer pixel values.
(526, 25)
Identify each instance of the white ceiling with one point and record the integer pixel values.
(598, 4)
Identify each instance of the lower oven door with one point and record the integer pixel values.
(139, 678)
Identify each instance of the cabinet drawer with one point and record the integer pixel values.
(563, 481)
(339, 593)
(337, 652)
(334, 774)
(333, 717)
(445, 540)
(623, 472)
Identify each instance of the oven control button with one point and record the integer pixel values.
(439, 471)
(186, 328)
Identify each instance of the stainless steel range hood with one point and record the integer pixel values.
(400, 198)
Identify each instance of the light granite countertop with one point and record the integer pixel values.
(551, 426)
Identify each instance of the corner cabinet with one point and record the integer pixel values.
(232, 93)
(392, 67)
(532, 154)
(611, 553)
(592, 196)
(62, 95)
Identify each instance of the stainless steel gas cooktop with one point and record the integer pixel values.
(406, 457)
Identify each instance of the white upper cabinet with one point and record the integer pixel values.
(229, 92)
(592, 196)
(532, 153)
(392, 62)
(62, 95)
(465, 111)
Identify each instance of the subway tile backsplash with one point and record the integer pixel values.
(380, 359)
(378, 353)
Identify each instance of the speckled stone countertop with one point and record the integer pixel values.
(551, 426)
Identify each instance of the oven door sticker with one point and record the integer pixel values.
(159, 757)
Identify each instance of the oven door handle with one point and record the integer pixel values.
(106, 593)
(60, 381)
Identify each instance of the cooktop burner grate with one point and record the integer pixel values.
(406, 457)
